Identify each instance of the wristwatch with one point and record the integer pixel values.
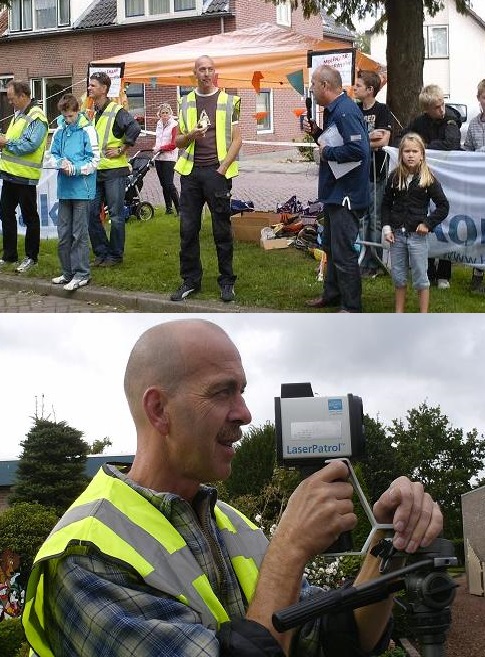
(120, 150)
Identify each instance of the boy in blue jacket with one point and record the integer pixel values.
(75, 152)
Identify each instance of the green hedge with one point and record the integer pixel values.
(11, 637)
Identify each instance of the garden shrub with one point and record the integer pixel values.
(11, 637)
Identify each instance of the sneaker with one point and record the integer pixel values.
(60, 280)
(443, 284)
(184, 291)
(25, 265)
(75, 284)
(227, 292)
(169, 211)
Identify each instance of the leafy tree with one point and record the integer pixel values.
(432, 451)
(51, 466)
(254, 462)
(98, 446)
(380, 465)
(23, 529)
(405, 44)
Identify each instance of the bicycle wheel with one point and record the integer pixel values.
(145, 211)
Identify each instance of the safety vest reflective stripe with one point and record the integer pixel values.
(188, 121)
(29, 165)
(6, 157)
(124, 525)
(226, 108)
(106, 138)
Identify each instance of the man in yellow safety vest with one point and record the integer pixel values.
(117, 131)
(209, 143)
(149, 563)
(22, 151)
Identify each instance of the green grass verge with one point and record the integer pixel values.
(280, 279)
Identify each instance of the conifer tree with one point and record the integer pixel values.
(51, 466)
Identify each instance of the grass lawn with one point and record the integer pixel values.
(278, 279)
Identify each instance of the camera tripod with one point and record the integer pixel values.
(428, 593)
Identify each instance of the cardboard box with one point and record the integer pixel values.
(246, 226)
(270, 245)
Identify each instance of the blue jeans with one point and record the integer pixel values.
(112, 193)
(343, 284)
(72, 229)
(409, 250)
(371, 224)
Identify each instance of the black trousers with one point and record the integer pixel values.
(14, 194)
(205, 185)
(442, 271)
(164, 170)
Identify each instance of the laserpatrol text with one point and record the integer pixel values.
(314, 450)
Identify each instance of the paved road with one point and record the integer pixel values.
(266, 182)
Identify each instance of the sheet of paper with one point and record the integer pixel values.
(332, 137)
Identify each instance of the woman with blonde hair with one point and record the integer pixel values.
(407, 219)
(166, 132)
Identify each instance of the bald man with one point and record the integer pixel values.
(150, 564)
(343, 139)
(209, 141)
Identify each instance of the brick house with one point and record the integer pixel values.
(51, 42)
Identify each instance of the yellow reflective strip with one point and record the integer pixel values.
(247, 573)
(223, 521)
(146, 515)
(104, 537)
(33, 618)
(203, 588)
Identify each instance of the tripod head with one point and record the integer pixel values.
(429, 592)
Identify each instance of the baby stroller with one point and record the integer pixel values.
(134, 207)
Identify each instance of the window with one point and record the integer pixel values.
(435, 41)
(6, 110)
(264, 111)
(169, 8)
(26, 15)
(134, 8)
(135, 94)
(283, 13)
(21, 15)
(47, 92)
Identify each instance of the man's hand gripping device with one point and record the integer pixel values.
(310, 431)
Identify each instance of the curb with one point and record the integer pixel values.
(144, 302)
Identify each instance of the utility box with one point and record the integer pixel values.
(473, 512)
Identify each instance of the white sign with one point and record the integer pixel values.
(47, 205)
(460, 237)
(342, 60)
(115, 72)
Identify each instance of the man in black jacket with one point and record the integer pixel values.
(439, 127)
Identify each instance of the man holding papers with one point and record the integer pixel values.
(342, 186)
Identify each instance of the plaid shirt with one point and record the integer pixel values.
(95, 607)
